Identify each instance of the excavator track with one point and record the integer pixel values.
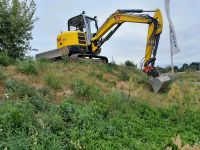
(89, 57)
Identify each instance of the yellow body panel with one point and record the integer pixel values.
(70, 38)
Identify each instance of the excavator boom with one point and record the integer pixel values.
(133, 16)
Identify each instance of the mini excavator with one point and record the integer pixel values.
(84, 39)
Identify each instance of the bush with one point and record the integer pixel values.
(19, 89)
(27, 67)
(53, 82)
(124, 75)
(15, 115)
(5, 60)
(129, 63)
(111, 66)
(81, 89)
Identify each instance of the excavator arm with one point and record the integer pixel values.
(133, 16)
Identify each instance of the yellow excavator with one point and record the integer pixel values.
(84, 39)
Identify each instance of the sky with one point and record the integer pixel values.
(129, 42)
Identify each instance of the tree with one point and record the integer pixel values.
(16, 24)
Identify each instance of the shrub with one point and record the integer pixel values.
(55, 122)
(129, 63)
(27, 67)
(111, 66)
(38, 102)
(80, 88)
(5, 60)
(124, 75)
(19, 89)
(53, 82)
(15, 115)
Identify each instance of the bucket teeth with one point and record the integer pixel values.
(159, 83)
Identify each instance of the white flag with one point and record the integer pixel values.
(173, 40)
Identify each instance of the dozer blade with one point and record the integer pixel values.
(160, 82)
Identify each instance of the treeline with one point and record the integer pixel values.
(194, 66)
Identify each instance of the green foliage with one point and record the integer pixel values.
(3, 76)
(19, 89)
(124, 75)
(14, 115)
(16, 19)
(111, 66)
(99, 76)
(129, 63)
(80, 88)
(5, 60)
(28, 67)
(53, 82)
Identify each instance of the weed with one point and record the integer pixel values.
(5, 60)
(129, 63)
(27, 67)
(15, 115)
(124, 75)
(53, 82)
(19, 89)
(100, 76)
(111, 66)
(3, 76)
(80, 88)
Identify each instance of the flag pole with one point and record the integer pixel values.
(171, 49)
(174, 49)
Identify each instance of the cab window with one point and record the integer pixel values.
(77, 24)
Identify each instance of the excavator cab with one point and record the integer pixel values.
(84, 24)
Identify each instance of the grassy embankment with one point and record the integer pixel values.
(91, 106)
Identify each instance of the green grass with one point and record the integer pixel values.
(92, 112)
(5, 60)
(28, 67)
(53, 82)
(3, 76)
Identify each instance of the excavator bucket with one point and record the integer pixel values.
(160, 82)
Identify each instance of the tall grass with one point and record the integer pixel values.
(53, 81)
(5, 60)
(28, 67)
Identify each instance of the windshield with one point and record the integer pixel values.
(77, 24)
(92, 25)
